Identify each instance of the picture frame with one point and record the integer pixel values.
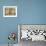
(39, 28)
(9, 11)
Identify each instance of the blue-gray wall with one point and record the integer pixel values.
(29, 12)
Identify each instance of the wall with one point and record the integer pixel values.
(29, 12)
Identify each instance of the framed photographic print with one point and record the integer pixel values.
(33, 32)
(9, 11)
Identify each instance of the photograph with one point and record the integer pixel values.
(9, 11)
(28, 33)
